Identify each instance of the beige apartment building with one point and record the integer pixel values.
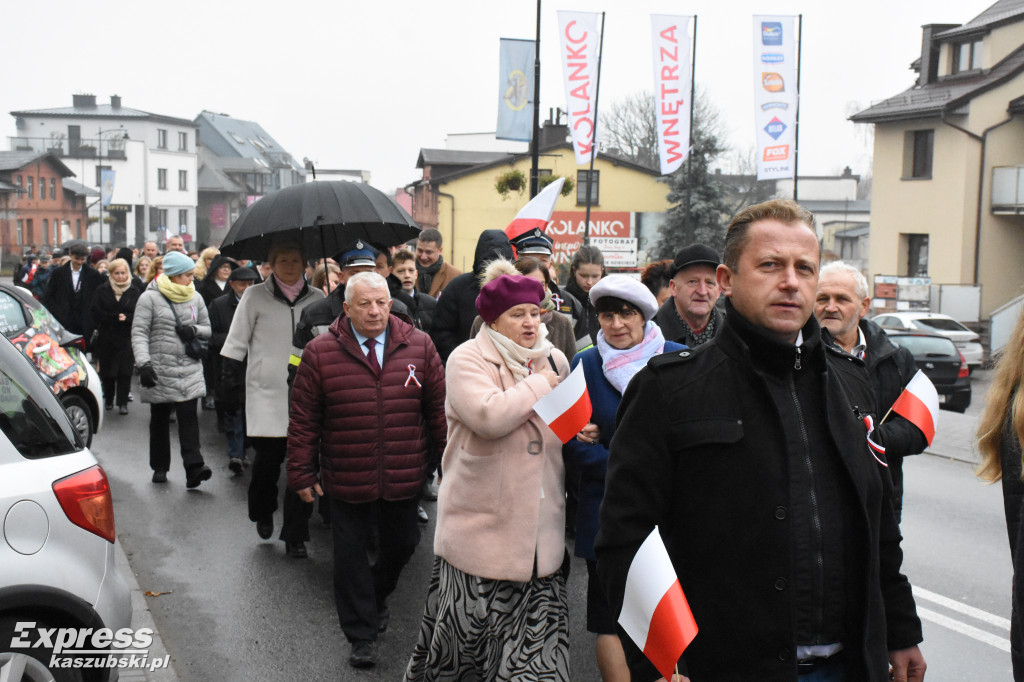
(948, 188)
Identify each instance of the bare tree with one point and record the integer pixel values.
(630, 128)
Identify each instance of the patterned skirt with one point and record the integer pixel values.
(478, 629)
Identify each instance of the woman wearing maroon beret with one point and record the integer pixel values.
(497, 608)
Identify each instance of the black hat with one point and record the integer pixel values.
(357, 254)
(241, 274)
(695, 254)
(534, 241)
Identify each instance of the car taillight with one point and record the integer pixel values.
(85, 498)
(78, 343)
(965, 371)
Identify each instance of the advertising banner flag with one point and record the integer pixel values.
(579, 38)
(106, 186)
(567, 408)
(655, 613)
(515, 90)
(775, 96)
(670, 40)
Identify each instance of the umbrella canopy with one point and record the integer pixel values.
(324, 216)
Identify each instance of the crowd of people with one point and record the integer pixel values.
(366, 374)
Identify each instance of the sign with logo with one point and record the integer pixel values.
(565, 230)
(671, 42)
(775, 96)
(515, 90)
(579, 35)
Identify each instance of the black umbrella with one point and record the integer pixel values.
(324, 215)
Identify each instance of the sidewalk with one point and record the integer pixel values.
(956, 433)
(142, 618)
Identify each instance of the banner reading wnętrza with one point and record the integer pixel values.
(670, 40)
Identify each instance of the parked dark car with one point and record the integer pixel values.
(939, 358)
(58, 355)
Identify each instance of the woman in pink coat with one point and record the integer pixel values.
(496, 608)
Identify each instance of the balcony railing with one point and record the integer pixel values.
(83, 148)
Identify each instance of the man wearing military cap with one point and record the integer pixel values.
(536, 244)
(689, 315)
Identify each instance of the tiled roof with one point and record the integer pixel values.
(103, 111)
(943, 96)
(1003, 11)
(10, 161)
(78, 188)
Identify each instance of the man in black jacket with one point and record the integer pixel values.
(689, 316)
(749, 457)
(70, 292)
(456, 306)
(841, 305)
(222, 311)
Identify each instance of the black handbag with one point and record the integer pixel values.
(196, 348)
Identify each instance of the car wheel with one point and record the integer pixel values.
(29, 665)
(80, 416)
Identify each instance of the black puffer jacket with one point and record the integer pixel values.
(704, 450)
(456, 307)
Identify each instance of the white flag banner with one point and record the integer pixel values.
(670, 40)
(579, 37)
(775, 96)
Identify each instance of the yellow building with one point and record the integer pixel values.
(948, 188)
(457, 196)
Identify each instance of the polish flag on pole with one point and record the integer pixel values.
(655, 613)
(537, 213)
(567, 408)
(919, 404)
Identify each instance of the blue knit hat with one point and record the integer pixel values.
(177, 263)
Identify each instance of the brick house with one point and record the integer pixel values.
(38, 203)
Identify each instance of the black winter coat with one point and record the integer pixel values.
(113, 349)
(456, 306)
(73, 309)
(667, 318)
(702, 444)
(222, 311)
(585, 323)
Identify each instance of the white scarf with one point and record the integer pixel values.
(620, 365)
(519, 359)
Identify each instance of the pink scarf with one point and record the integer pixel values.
(620, 365)
(291, 291)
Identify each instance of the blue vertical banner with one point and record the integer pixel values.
(515, 90)
(106, 186)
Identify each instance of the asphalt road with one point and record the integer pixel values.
(234, 607)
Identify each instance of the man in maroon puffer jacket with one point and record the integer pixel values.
(368, 398)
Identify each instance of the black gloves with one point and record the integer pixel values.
(147, 375)
(186, 332)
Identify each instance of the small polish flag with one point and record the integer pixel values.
(537, 213)
(567, 408)
(655, 613)
(919, 404)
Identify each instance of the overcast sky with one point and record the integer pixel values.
(366, 85)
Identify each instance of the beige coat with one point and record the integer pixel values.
(502, 497)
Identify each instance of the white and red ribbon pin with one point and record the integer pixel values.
(412, 376)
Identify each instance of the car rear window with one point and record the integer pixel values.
(30, 417)
(924, 345)
(942, 325)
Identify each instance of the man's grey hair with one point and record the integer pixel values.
(370, 280)
(858, 277)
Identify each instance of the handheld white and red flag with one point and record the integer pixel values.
(537, 213)
(655, 613)
(567, 408)
(919, 404)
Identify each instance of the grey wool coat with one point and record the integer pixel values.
(178, 376)
(262, 330)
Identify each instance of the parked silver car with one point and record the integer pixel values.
(966, 341)
(57, 543)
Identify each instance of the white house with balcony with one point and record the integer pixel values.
(153, 158)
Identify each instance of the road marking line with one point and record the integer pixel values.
(954, 605)
(964, 629)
